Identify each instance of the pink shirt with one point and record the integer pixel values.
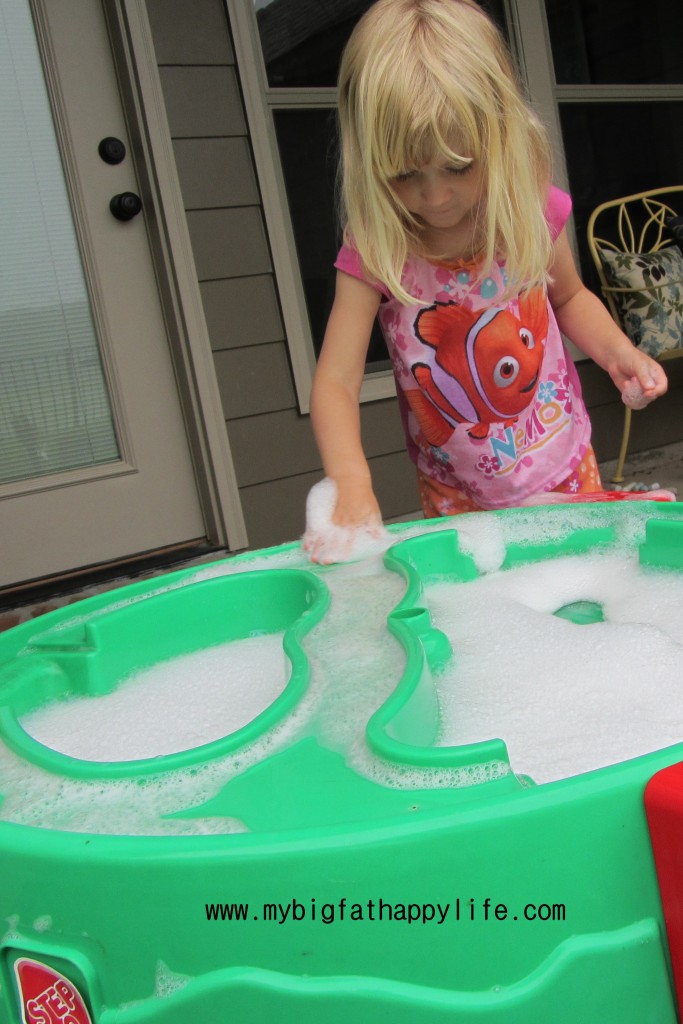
(490, 400)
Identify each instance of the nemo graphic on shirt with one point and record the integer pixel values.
(484, 367)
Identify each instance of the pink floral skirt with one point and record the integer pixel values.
(441, 500)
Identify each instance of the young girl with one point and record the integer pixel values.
(455, 239)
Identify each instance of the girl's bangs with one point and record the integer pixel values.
(426, 135)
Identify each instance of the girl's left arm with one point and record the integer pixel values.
(583, 318)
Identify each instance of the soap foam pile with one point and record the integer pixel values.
(566, 698)
(172, 706)
(354, 665)
(553, 690)
(326, 542)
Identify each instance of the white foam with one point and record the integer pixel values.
(172, 706)
(167, 982)
(118, 807)
(483, 538)
(326, 542)
(404, 777)
(633, 395)
(566, 698)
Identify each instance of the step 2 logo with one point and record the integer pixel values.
(47, 997)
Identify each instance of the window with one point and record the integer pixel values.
(615, 42)
(619, 89)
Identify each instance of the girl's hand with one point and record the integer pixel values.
(356, 506)
(341, 522)
(640, 378)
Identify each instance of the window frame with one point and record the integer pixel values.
(260, 102)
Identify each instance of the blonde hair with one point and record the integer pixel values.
(422, 79)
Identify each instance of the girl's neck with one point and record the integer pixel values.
(451, 244)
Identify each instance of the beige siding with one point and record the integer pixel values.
(275, 456)
(190, 33)
(254, 381)
(228, 242)
(218, 111)
(230, 305)
(284, 438)
(215, 173)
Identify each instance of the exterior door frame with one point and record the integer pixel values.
(187, 332)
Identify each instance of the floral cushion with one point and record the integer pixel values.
(651, 310)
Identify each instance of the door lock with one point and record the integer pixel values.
(112, 150)
(126, 205)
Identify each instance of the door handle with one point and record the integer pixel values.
(125, 205)
(112, 150)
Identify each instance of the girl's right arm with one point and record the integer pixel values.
(335, 411)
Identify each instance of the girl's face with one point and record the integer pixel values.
(445, 197)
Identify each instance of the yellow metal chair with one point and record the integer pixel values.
(641, 275)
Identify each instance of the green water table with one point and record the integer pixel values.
(291, 877)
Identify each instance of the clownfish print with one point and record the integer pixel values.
(481, 367)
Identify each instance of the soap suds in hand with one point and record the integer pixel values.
(633, 394)
(326, 542)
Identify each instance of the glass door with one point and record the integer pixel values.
(55, 413)
(94, 458)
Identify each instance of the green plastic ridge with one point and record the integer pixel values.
(663, 546)
(568, 978)
(405, 728)
(96, 656)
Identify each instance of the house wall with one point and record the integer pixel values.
(275, 457)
